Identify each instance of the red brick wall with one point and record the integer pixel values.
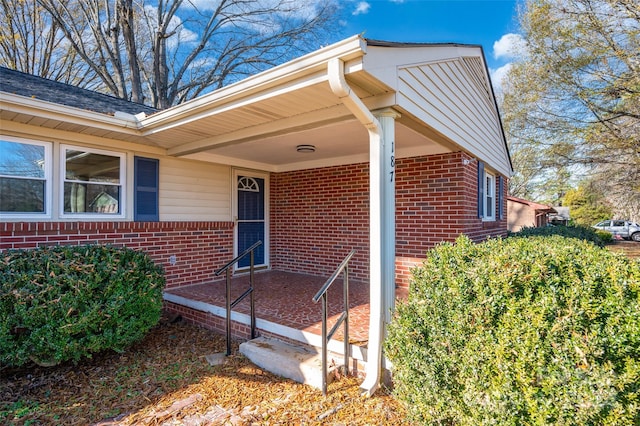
(437, 200)
(209, 321)
(199, 247)
(319, 215)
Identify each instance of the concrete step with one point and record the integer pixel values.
(301, 363)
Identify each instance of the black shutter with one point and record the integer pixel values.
(145, 184)
(500, 197)
(480, 189)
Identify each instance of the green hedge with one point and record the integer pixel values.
(538, 330)
(65, 303)
(605, 237)
(597, 237)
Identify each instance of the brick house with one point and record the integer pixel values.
(524, 213)
(384, 148)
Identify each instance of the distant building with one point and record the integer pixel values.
(561, 216)
(524, 213)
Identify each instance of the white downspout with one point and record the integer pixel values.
(340, 87)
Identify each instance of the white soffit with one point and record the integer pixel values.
(291, 76)
(441, 91)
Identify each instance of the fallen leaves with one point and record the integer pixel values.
(165, 380)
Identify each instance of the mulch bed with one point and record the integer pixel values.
(165, 380)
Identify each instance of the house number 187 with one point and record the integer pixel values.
(393, 161)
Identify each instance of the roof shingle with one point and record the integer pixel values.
(31, 86)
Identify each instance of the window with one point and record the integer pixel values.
(92, 182)
(25, 177)
(486, 194)
(490, 196)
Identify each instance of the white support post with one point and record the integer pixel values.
(387, 119)
(382, 232)
(376, 260)
(382, 241)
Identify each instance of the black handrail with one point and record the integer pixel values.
(344, 317)
(229, 305)
(237, 258)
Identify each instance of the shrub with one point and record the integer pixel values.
(539, 330)
(66, 303)
(605, 237)
(580, 232)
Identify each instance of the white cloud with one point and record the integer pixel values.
(510, 46)
(362, 8)
(184, 34)
(207, 62)
(497, 76)
(180, 34)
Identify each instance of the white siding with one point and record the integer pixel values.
(194, 191)
(447, 88)
(448, 96)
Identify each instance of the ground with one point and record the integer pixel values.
(629, 248)
(165, 380)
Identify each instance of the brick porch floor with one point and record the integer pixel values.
(284, 298)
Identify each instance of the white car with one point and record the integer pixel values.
(620, 228)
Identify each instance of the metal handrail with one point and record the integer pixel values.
(229, 305)
(238, 257)
(344, 317)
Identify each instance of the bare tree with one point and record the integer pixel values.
(574, 97)
(168, 51)
(126, 23)
(32, 42)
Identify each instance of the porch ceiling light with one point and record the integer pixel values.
(306, 148)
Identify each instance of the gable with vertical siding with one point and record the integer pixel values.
(448, 87)
(449, 96)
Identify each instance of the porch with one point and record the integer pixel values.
(283, 308)
(373, 146)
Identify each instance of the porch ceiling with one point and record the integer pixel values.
(338, 143)
(265, 132)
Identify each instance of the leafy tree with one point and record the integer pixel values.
(573, 99)
(588, 204)
(165, 52)
(525, 182)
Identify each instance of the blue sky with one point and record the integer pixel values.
(490, 23)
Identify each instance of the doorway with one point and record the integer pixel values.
(251, 213)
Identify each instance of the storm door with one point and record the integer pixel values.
(251, 214)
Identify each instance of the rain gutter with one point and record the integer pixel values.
(340, 88)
